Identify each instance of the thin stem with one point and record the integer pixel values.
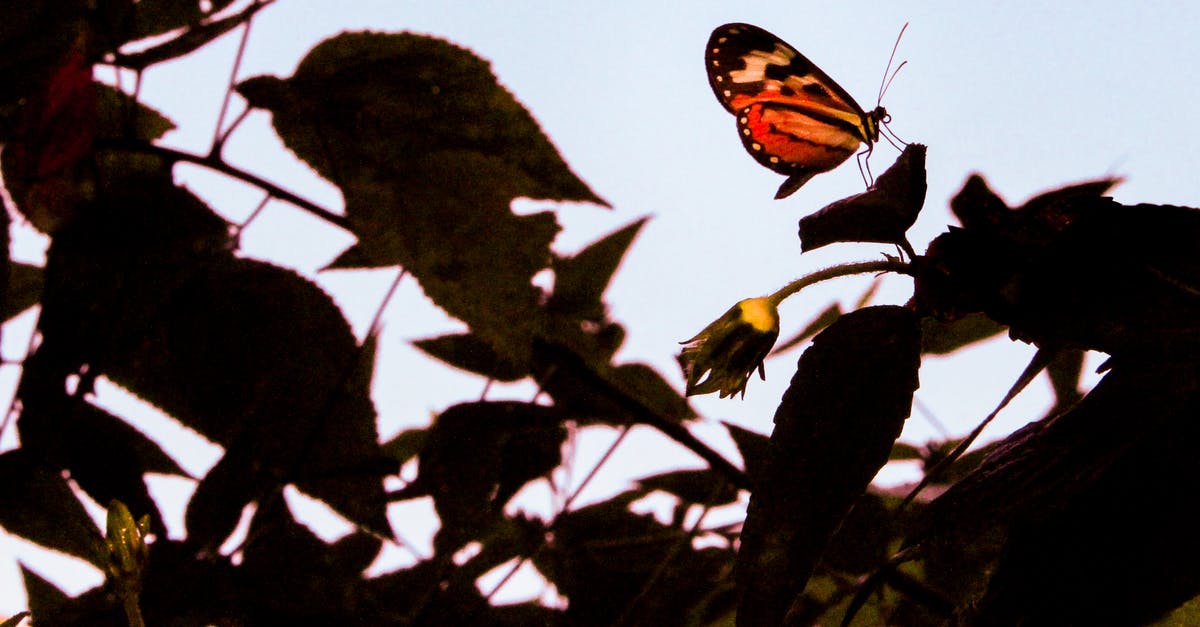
(215, 164)
(846, 269)
(219, 137)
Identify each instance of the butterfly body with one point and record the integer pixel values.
(791, 116)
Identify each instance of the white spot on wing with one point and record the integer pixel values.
(757, 61)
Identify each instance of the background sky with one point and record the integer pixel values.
(1032, 95)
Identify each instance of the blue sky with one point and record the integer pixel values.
(1032, 95)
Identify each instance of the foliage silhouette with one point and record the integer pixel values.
(1082, 516)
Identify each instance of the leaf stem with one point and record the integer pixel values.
(888, 264)
(217, 165)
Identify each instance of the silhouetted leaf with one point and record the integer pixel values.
(1118, 472)
(467, 352)
(341, 462)
(881, 214)
(430, 152)
(833, 431)
(406, 445)
(39, 506)
(477, 455)
(701, 486)
(1064, 372)
(753, 447)
(940, 337)
(24, 288)
(198, 33)
(819, 322)
(53, 136)
(42, 594)
(415, 96)
(1037, 271)
(580, 279)
(105, 456)
(250, 355)
(120, 116)
(34, 38)
(864, 537)
(824, 319)
(128, 20)
(902, 451)
(623, 394)
(289, 567)
(610, 562)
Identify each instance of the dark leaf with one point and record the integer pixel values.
(250, 355)
(120, 116)
(288, 567)
(468, 352)
(701, 487)
(753, 447)
(147, 18)
(507, 537)
(105, 455)
(580, 280)
(24, 288)
(54, 135)
(1064, 372)
(902, 451)
(42, 594)
(430, 152)
(822, 320)
(1040, 275)
(477, 455)
(341, 462)
(610, 562)
(864, 537)
(58, 123)
(406, 445)
(452, 228)
(157, 17)
(942, 337)
(881, 214)
(39, 506)
(179, 589)
(624, 394)
(1095, 504)
(977, 206)
(834, 430)
(363, 101)
(34, 37)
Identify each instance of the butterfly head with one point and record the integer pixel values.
(872, 120)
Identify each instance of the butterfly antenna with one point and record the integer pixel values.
(888, 74)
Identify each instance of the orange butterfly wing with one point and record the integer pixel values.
(791, 116)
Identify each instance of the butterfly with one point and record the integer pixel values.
(791, 116)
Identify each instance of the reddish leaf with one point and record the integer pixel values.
(58, 123)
